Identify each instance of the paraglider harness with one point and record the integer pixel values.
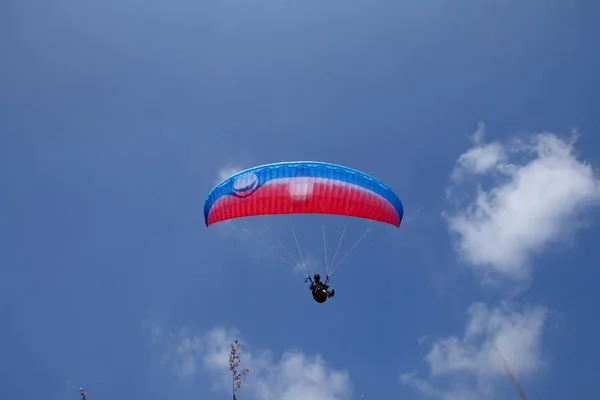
(320, 290)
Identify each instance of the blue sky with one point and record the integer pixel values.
(118, 117)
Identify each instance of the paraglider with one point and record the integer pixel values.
(320, 290)
(304, 187)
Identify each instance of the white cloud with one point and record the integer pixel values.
(481, 158)
(294, 376)
(183, 353)
(515, 335)
(479, 135)
(533, 203)
(226, 171)
(154, 330)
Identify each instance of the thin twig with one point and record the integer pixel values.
(512, 376)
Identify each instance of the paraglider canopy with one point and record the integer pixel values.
(302, 187)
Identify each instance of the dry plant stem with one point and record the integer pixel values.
(512, 376)
(234, 363)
